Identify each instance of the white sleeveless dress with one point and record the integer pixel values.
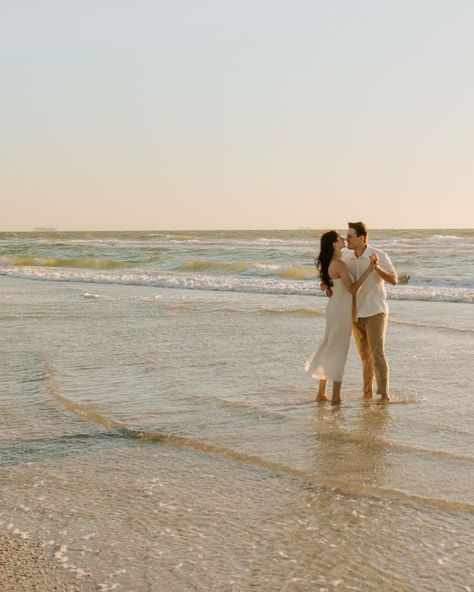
(328, 361)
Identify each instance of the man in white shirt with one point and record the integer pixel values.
(370, 325)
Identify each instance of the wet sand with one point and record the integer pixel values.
(26, 567)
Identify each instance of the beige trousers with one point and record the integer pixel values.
(369, 334)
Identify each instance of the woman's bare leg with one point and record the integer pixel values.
(336, 392)
(321, 396)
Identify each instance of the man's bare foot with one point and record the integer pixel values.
(335, 401)
(385, 399)
(322, 398)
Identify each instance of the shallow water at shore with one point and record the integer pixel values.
(164, 439)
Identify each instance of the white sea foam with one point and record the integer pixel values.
(203, 281)
(438, 262)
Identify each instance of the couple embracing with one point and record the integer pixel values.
(355, 284)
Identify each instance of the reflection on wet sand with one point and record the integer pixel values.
(348, 455)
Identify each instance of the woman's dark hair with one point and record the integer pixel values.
(325, 255)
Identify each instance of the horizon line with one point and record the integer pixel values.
(300, 228)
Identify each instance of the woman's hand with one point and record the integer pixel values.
(374, 259)
(389, 276)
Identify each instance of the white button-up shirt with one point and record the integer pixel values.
(371, 298)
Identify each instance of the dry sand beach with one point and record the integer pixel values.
(27, 567)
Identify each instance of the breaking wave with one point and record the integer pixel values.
(233, 283)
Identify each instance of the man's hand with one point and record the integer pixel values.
(326, 289)
(389, 276)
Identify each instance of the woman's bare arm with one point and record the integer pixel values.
(353, 287)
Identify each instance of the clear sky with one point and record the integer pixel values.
(202, 114)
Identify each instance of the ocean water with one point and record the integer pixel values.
(158, 431)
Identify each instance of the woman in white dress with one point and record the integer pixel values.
(328, 361)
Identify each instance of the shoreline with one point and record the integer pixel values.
(25, 566)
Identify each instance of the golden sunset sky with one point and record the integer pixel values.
(200, 114)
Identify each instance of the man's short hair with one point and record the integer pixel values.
(360, 229)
